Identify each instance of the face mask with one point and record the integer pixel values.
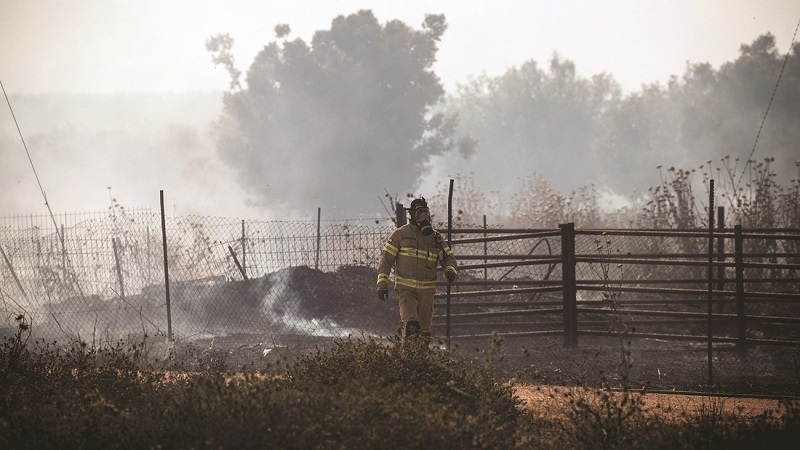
(422, 216)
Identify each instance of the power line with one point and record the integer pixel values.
(44, 196)
(774, 90)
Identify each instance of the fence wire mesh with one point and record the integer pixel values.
(100, 277)
(103, 277)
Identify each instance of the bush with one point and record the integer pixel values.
(359, 394)
(356, 394)
(408, 396)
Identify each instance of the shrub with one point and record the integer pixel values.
(358, 394)
(355, 394)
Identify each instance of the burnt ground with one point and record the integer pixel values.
(300, 309)
(347, 297)
(291, 302)
(666, 367)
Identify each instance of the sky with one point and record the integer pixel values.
(148, 45)
(145, 47)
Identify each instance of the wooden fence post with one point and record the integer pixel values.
(239, 266)
(400, 214)
(740, 313)
(568, 283)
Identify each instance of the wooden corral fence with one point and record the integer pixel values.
(738, 286)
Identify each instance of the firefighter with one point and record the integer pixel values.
(415, 250)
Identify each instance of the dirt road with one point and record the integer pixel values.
(551, 402)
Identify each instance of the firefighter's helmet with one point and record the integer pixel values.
(417, 203)
(421, 215)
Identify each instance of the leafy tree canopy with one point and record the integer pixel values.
(709, 115)
(533, 120)
(577, 131)
(334, 122)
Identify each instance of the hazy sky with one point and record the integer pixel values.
(149, 45)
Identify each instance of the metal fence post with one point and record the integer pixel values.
(740, 313)
(119, 269)
(569, 284)
(485, 250)
(14, 274)
(710, 281)
(63, 251)
(449, 244)
(166, 267)
(721, 257)
(244, 252)
(319, 237)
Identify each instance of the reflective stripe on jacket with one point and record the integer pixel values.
(415, 258)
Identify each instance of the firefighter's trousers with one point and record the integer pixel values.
(415, 306)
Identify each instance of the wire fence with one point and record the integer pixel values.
(102, 276)
(639, 297)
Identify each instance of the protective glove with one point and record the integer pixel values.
(383, 294)
(450, 275)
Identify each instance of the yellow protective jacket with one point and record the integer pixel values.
(416, 258)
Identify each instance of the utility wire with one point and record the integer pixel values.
(764, 119)
(44, 196)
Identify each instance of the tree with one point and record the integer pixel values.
(749, 84)
(707, 115)
(338, 120)
(533, 121)
(640, 133)
(575, 131)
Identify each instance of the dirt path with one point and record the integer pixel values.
(551, 402)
